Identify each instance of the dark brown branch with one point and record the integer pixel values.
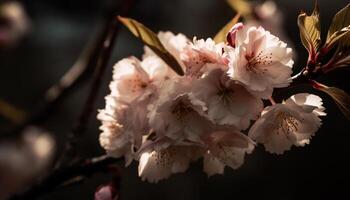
(101, 67)
(80, 72)
(67, 176)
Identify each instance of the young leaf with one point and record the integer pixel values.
(221, 35)
(341, 98)
(150, 39)
(310, 30)
(337, 37)
(241, 6)
(343, 60)
(340, 20)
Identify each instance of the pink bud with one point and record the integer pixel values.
(231, 36)
(106, 192)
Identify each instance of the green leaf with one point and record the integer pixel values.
(340, 20)
(221, 35)
(310, 30)
(341, 98)
(150, 39)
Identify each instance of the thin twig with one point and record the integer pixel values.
(272, 101)
(89, 106)
(81, 71)
(67, 176)
(299, 79)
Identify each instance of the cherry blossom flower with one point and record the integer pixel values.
(227, 102)
(226, 147)
(173, 43)
(159, 163)
(157, 70)
(175, 114)
(293, 122)
(130, 81)
(203, 55)
(231, 36)
(166, 121)
(113, 139)
(260, 61)
(135, 79)
(124, 119)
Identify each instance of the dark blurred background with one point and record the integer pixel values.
(60, 29)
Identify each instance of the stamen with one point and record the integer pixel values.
(164, 157)
(255, 63)
(286, 123)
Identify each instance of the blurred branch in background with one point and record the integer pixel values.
(14, 23)
(101, 65)
(92, 63)
(68, 176)
(243, 7)
(82, 70)
(23, 161)
(11, 113)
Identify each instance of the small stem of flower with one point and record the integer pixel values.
(296, 76)
(273, 102)
(317, 85)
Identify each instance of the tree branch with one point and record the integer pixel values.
(67, 176)
(80, 72)
(102, 63)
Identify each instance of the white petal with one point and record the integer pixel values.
(309, 102)
(201, 56)
(283, 125)
(261, 61)
(212, 165)
(175, 114)
(160, 164)
(129, 80)
(227, 102)
(230, 147)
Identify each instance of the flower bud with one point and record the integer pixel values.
(106, 192)
(231, 36)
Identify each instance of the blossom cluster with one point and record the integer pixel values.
(166, 121)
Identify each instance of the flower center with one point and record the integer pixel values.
(226, 152)
(137, 84)
(257, 64)
(226, 95)
(164, 157)
(181, 109)
(286, 123)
